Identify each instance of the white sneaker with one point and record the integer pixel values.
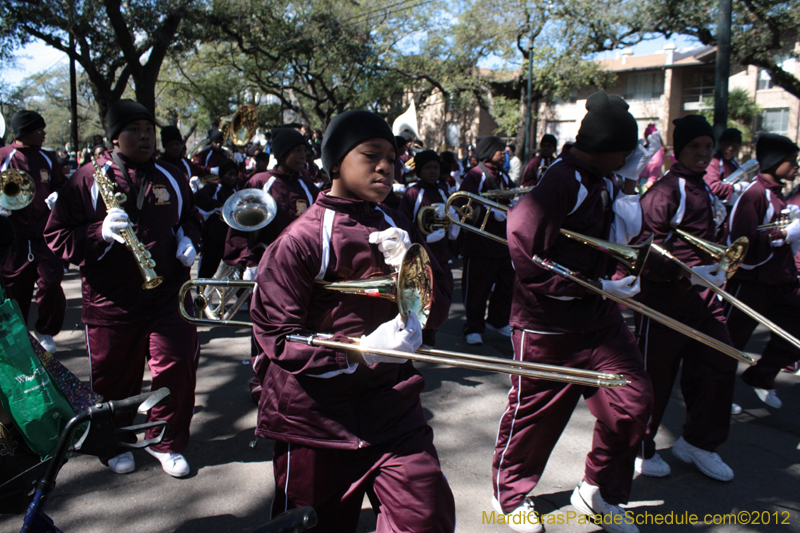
(48, 343)
(587, 500)
(736, 409)
(505, 330)
(122, 464)
(173, 464)
(523, 519)
(653, 467)
(474, 338)
(708, 463)
(769, 397)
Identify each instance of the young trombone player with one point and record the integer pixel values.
(557, 321)
(347, 423)
(681, 200)
(767, 279)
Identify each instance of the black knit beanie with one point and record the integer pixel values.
(547, 138)
(24, 122)
(607, 127)
(731, 135)
(772, 150)
(487, 146)
(215, 135)
(424, 157)
(687, 129)
(169, 134)
(227, 165)
(284, 140)
(348, 130)
(122, 113)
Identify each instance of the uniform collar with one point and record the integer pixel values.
(767, 184)
(683, 172)
(345, 205)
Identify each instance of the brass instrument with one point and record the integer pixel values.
(249, 210)
(17, 189)
(114, 200)
(728, 258)
(745, 173)
(428, 222)
(502, 194)
(411, 287)
(785, 218)
(741, 306)
(238, 128)
(632, 262)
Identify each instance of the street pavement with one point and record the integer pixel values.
(231, 485)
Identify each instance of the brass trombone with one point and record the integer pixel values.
(616, 251)
(411, 287)
(728, 258)
(785, 218)
(428, 222)
(502, 194)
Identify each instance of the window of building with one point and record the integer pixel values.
(698, 84)
(775, 120)
(564, 131)
(644, 85)
(764, 80)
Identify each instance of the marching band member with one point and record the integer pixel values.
(213, 155)
(536, 167)
(767, 279)
(347, 423)
(30, 262)
(487, 263)
(429, 191)
(557, 321)
(127, 325)
(293, 193)
(209, 201)
(654, 169)
(681, 199)
(723, 164)
(172, 141)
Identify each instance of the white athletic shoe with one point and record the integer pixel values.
(587, 500)
(736, 409)
(474, 338)
(173, 464)
(48, 343)
(523, 519)
(708, 463)
(769, 397)
(505, 330)
(122, 464)
(653, 467)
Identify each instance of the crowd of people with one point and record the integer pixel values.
(351, 424)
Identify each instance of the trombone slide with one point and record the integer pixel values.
(576, 376)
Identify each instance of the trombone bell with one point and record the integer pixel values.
(16, 189)
(632, 258)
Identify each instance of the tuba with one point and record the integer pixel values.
(242, 125)
(249, 210)
(17, 189)
(745, 173)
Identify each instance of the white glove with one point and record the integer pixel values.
(116, 220)
(793, 231)
(51, 200)
(436, 236)
(454, 229)
(438, 210)
(4, 212)
(250, 273)
(393, 335)
(627, 287)
(398, 188)
(186, 252)
(738, 188)
(635, 162)
(794, 210)
(393, 242)
(194, 184)
(214, 171)
(720, 213)
(712, 273)
(499, 215)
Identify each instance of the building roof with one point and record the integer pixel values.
(663, 59)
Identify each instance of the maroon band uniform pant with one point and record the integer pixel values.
(480, 274)
(538, 410)
(170, 346)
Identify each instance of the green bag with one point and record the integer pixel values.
(27, 393)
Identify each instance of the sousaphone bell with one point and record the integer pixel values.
(16, 189)
(249, 210)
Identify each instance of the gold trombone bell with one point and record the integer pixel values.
(16, 189)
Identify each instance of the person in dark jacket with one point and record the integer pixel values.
(347, 423)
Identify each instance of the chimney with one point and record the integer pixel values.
(669, 52)
(625, 55)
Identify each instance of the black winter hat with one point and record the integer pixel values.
(169, 134)
(424, 157)
(688, 129)
(24, 122)
(772, 150)
(122, 113)
(227, 165)
(283, 140)
(548, 138)
(349, 129)
(215, 135)
(731, 135)
(487, 146)
(608, 126)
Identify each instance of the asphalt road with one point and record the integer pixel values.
(231, 485)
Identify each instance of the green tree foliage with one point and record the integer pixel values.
(763, 32)
(742, 112)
